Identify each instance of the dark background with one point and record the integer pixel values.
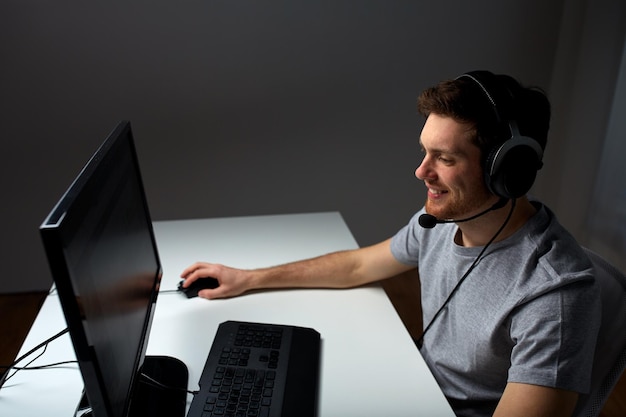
(243, 107)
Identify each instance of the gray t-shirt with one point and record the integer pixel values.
(529, 312)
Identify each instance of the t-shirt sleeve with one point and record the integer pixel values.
(404, 244)
(555, 337)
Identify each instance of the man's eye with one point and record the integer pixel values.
(445, 160)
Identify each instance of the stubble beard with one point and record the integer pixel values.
(456, 207)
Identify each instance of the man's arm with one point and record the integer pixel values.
(343, 269)
(526, 400)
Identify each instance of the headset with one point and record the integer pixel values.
(511, 167)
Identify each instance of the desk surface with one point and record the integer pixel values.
(370, 365)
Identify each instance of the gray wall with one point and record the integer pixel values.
(588, 114)
(242, 107)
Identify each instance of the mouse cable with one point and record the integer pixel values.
(168, 291)
(420, 341)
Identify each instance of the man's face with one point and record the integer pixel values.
(451, 170)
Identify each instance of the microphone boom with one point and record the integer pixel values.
(428, 221)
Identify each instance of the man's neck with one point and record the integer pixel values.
(481, 230)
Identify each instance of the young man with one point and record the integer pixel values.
(509, 302)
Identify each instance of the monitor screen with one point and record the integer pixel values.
(102, 254)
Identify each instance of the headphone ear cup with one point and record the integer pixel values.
(511, 169)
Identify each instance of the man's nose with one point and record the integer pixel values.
(423, 171)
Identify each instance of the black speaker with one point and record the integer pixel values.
(511, 167)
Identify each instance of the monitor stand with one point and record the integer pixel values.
(150, 399)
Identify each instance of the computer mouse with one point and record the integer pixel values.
(198, 285)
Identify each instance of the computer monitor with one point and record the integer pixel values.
(102, 253)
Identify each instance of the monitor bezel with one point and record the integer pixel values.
(52, 235)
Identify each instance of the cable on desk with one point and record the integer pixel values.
(46, 366)
(168, 291)
(153, 382)
(5, 376)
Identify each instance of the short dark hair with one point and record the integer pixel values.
(465, 101)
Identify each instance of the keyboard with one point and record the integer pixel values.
(259, 370)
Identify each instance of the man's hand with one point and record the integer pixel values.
(232, 282)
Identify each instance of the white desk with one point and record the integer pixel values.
(370, 365)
